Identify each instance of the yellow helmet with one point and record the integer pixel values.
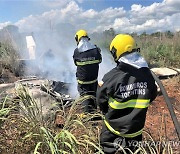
(121, 44)
(79, 34)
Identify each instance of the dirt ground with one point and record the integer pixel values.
(159, 122)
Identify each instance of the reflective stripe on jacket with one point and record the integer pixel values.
(133, 103)
(87, 63)
(124, 98)
(87, 82)
(123, 135)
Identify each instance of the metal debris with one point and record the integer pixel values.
(57, 89)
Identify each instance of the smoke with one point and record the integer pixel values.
(54, 57)
(106, 65)
(54, 51)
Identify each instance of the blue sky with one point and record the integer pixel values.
(102, 4)
(93, 15)
(14, 10)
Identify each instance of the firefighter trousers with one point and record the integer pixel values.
(88, 105)
(111, 142)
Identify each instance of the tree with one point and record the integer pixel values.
(169, 34)
(156, 34)
(144, 34)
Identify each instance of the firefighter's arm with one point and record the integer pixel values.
(104, 91)
(100, 57)
(102, 98)
(75, 56)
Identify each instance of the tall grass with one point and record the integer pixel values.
(8, 57)
(74, 137)
(77, 135)
(160, 51)
(28, 106)
(4, 111)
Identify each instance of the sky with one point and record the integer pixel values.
(54, 23)
(92, 15)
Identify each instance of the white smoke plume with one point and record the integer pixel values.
(54, 58)
(106, 65)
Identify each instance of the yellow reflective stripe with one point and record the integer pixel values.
(88, 62)
(123, 135)
(86, 82)
(133, 103)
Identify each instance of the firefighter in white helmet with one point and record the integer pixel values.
(87, 58)
(124, 95)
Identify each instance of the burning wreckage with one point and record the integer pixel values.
(57, 89)
(45, 92)
(49, 96)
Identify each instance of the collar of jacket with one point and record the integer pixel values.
(85, 45)
(134, 59)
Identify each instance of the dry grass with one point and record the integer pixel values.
(28, 132)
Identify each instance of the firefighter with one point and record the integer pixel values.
(124, 95)
(87, 58)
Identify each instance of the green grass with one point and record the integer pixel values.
(28, 132)
(8, 57)
(4, 111)
(160, 53)
(159, 50)
(33, 133)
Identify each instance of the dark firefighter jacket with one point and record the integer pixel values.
(87, 63)
(124, 98)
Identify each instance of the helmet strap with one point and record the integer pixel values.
(135, 50)
(76, 38)
(113, 52)
(138, 50)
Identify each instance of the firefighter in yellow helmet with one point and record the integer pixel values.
(87, 57)
(79, 34)
(124, 96)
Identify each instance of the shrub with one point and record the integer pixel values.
(8, 57)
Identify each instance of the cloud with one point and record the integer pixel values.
(173, 3)
(155, 17)
(54, 3)
(55, 29)
(110, 14)
(4, 24)
(80, 1)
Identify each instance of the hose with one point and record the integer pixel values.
(168, 103)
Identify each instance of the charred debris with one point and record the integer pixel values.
(57, 89)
